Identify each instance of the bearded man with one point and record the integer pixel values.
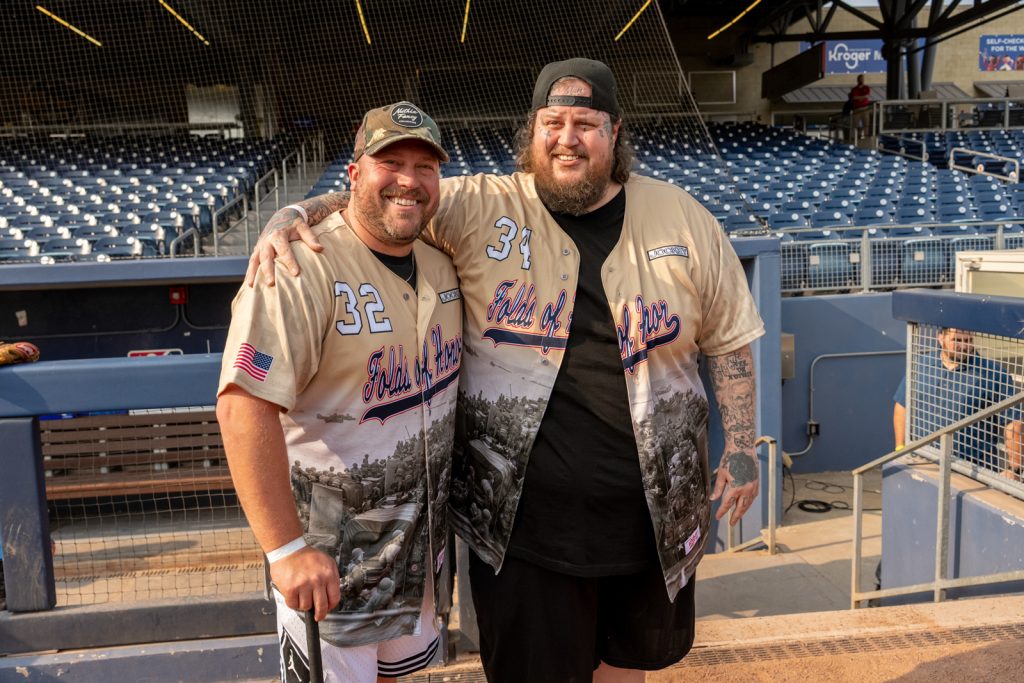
(582, 483)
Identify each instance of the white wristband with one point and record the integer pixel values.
(302, 212)
(287, 549)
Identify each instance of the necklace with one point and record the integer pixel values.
(412, 271)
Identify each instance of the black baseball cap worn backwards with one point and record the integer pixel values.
(597, 74)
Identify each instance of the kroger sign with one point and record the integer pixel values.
(852, 56)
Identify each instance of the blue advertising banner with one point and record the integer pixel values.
(852, 56)
(1003, 52)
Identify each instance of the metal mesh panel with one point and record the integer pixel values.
(142, 507)
(894, 257)
(956, 373)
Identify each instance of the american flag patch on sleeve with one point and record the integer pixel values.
(252, 362)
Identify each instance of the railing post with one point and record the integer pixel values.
(284, 176)
(942, 524)
(28, 562)
(858, 532)
(277, 192)
(213, 227)
(865, 261)
(245, 217)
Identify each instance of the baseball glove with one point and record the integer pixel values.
(18, 352)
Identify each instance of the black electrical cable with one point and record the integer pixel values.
(819, 506)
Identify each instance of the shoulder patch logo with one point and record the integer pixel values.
(449, 296)
(671, 250)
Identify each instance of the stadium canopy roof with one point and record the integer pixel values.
(770, 21)
(837, 94)
(998, 88)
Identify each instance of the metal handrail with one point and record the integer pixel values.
(903, 140)
(945, 106)
(284, 171)
(214, 213)
(256, 193)
(970, 169)
(172, 249)
(941, 583)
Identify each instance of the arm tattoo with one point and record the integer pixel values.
(732, 377)
(324, 205)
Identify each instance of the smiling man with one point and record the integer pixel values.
(581, 479)
(339, 388)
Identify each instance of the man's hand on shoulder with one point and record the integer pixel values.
(288, 225)
(283, 227)
(308, 579)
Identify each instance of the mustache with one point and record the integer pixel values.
(417, 195)
(565, 150)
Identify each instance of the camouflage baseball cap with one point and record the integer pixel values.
(395, 122)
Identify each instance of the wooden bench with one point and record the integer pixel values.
(117, 455)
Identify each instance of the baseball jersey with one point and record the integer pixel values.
(675, 289)
(366, 370)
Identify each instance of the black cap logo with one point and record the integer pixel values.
(407, 116)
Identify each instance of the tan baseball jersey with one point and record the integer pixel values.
(675, 289)
(366, 369)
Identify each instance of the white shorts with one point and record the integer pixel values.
(360, 664)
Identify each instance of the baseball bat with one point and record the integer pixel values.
(316, 668)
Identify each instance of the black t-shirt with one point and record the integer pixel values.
(583, 510)
(402, 266)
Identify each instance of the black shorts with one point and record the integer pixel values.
(542, 626)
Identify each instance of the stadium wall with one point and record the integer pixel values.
(856, 349)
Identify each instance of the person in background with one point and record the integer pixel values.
(860, 108)
(954, 382)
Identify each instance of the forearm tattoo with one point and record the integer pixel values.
(322, 206)
(732, 377)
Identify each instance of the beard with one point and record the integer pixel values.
(560, 196)
(369, 209)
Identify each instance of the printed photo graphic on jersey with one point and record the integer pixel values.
(252, 362)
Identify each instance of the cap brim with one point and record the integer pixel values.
(381, 144)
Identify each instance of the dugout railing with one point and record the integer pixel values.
(140, 485)
(951, 447)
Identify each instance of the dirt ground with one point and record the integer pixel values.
(1000, 661)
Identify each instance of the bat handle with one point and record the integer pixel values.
(316, 668)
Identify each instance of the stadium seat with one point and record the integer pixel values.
(924, 261)
(124, 246)
(832, 265)
(740, 221)
(781, 220)
(829, 219)
(914, 214)
(65, 246)
(871, 216)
